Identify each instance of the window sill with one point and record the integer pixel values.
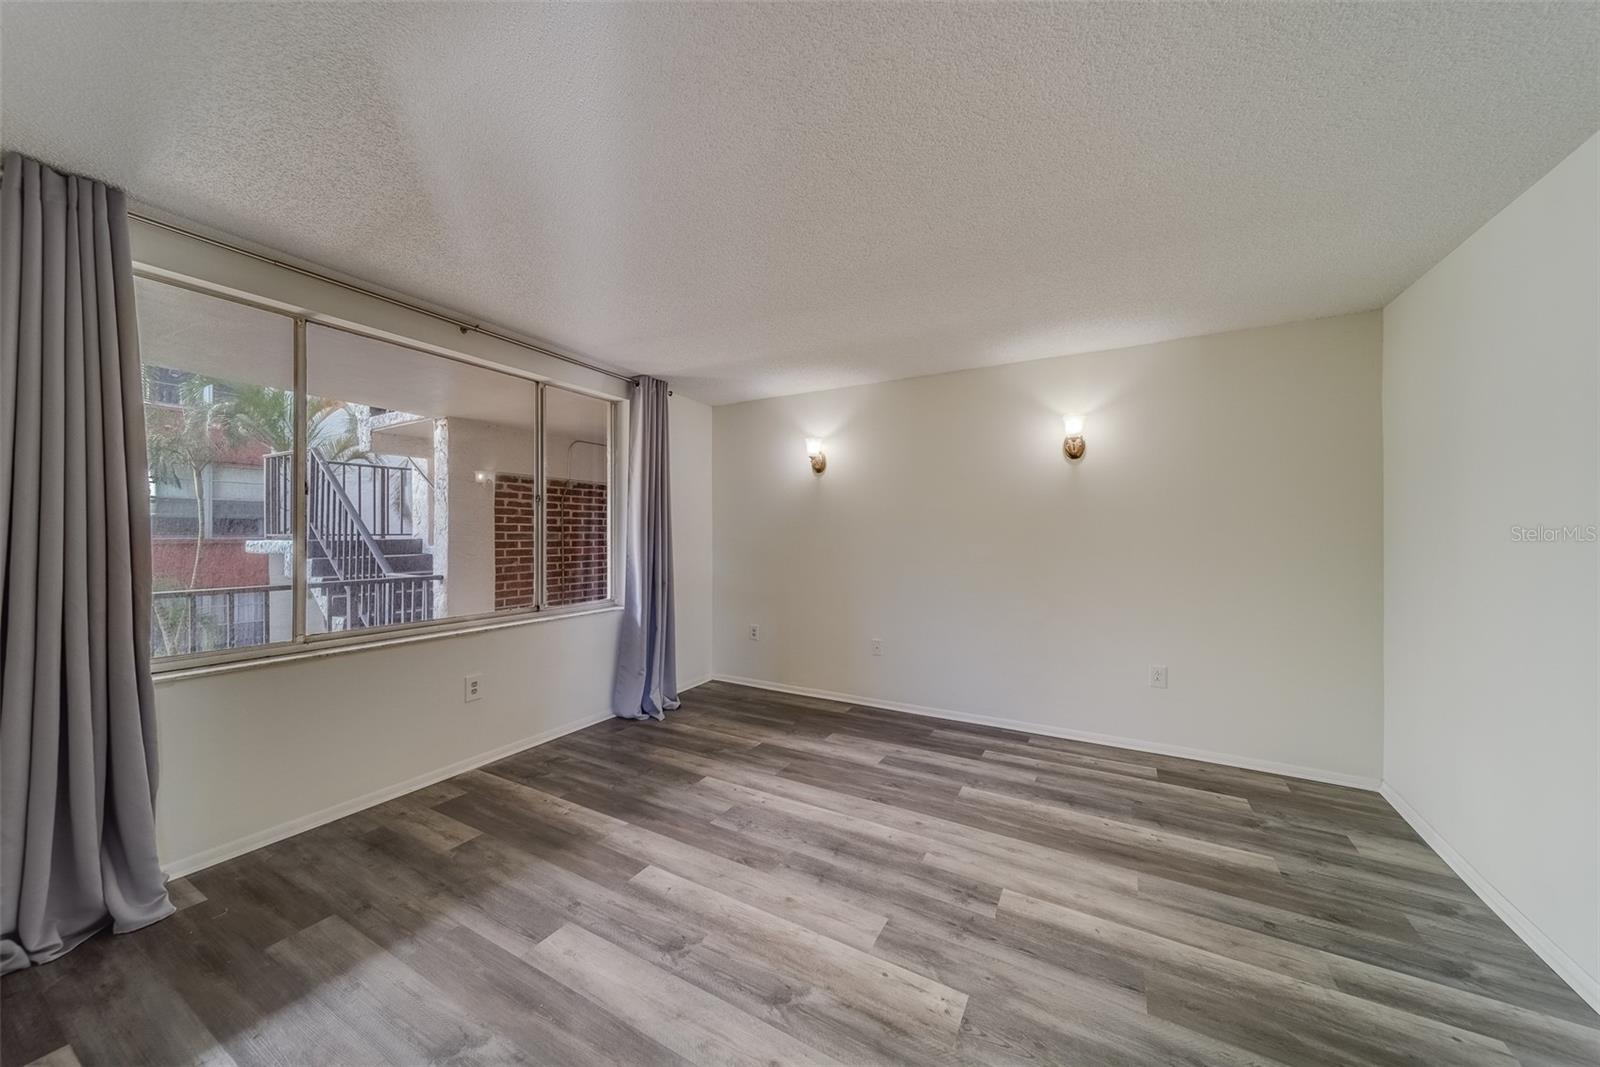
(317, 650)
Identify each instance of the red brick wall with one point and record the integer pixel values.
(223, 562)
(575, 548)
(515, 562)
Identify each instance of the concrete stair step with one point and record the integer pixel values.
(415, 563)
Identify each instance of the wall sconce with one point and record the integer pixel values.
(1072, 425)
(483, 477)
(819, 461)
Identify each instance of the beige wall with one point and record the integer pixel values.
(466, 542)
(1491, 698)
(1225, 522)
(690, 424)
(252, 755)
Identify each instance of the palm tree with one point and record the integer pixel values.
(262, 413)
(214, 418)
(182, 442)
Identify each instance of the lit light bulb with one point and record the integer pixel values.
(819, 462)
(1073, 445)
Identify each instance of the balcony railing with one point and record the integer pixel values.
(357, 513)
(277, 493)
(380, 493)
(186, 621)
(385, 601)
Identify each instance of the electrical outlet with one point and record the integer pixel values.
(755, 632)
(877, 646)
(1158, 677)
(471, 688)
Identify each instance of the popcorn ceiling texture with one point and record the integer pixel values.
(754, 200)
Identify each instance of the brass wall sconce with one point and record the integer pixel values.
(1073, 445)
(819, 461)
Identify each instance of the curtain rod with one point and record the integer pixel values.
(460, 324)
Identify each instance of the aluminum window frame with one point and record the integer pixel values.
(301, 644)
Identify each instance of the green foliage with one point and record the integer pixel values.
(214, 418)
(184, 439)
(265, 414)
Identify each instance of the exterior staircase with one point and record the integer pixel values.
(360, 580)
(407, 557)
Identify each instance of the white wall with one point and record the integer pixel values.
(1491, 697)
(467, 505)
(253, 753)
(1226, 522)
(690, 445)
(576, 436)
(569, 456)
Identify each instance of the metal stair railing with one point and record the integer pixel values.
(372, 591)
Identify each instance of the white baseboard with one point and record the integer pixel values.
(1248, 763)
(210, 857)
(684, 687)
(1570, 971)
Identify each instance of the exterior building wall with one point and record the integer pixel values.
(575, 552)
(224, 562)
(515, 545)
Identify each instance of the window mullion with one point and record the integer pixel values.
(297, 611)
(541, 483)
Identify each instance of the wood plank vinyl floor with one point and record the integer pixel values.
(775, 879)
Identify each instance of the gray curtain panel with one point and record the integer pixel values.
(77, 710)
(647, 676)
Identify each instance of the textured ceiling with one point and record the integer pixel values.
(769, 198)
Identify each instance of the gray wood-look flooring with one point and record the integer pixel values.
(775, 879)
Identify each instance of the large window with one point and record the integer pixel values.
(216, 375)
(405, 506)
(434, 489)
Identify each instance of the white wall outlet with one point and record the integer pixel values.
(1158, 676)
(471, 688)
(877, 646)
(755, 632)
